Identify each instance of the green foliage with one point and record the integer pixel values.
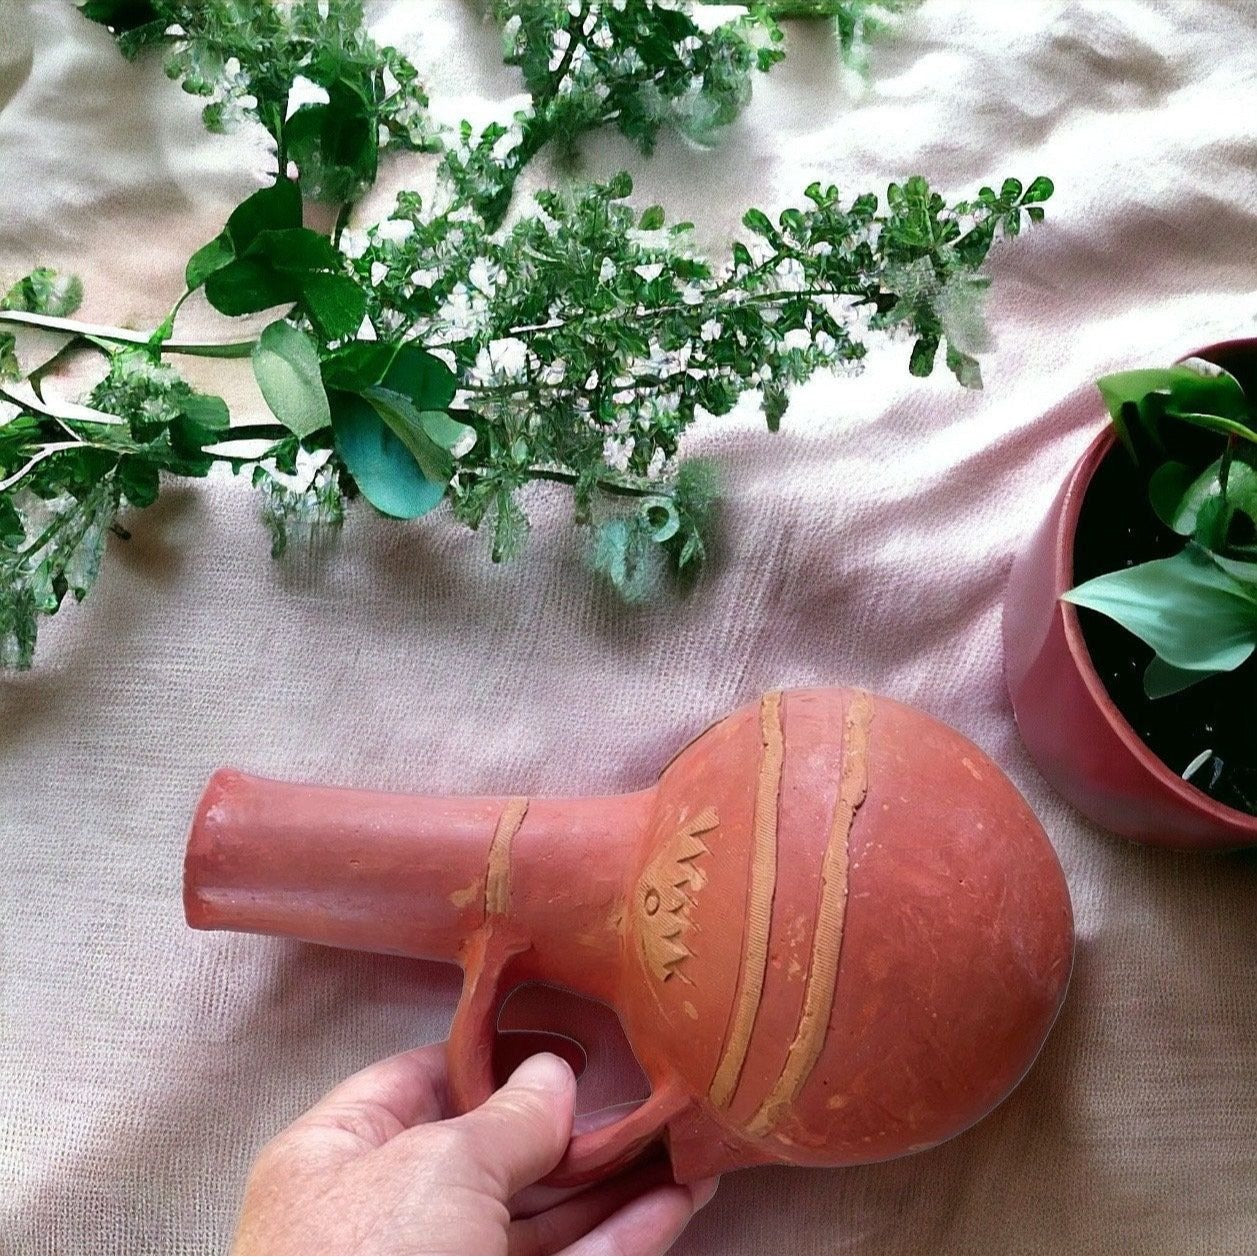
(435, 357)
(264, 257)
(244, 57)
(637, 65)
(1198, 608)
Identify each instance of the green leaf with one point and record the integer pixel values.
(139, 481)
(286, 364)
(652, 218)
(121, 15)
(1040, 189)
(207, 412)
(208, 259)
(921, 361)
(294, 249)
(358, 365)
(1195, 505)
(1188, 391)
(246, 286)
(757, 221)
(422, 377)
(1193, 614)
(335, 304)
(268, 209)
(385, 470)
(1162, 679)
(407, 424)
(776, 402)
(456, 438)
(1168, 488)
(1216, 423)
(44, 291)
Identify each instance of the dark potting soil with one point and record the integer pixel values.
(1117, 528)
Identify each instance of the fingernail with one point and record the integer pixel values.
(703, 1191)
(543, 1072)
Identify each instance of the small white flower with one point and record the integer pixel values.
(353, 244)
(394, 229)
(650, 272)
(606, 272)
(378, 272)
(711, 329)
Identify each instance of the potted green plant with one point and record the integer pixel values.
(1131, 619)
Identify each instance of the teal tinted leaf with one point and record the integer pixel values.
(1240, 570)
(383, 467)
(286, 364)
(661, 518)
(269, 209)
(208, 259)
(295, 249)
(335, 304)
(358, 365)
(407, 424)
(422, 377)
(246, 286)
(1193, 614)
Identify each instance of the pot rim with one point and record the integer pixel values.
(1067, 527)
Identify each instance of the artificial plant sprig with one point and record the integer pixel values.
(639, 66)
(434, 358)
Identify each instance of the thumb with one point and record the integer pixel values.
(519, 1133)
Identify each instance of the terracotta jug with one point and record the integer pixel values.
(833, 930)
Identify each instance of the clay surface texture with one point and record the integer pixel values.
(833, 930)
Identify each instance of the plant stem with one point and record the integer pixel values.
(608, 484)
(124, 336)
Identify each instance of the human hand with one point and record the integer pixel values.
(380, 1166)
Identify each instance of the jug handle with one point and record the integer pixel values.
(590, 1155)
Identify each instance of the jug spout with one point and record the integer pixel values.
(417, 876)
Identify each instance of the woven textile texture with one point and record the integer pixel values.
(142, 1064)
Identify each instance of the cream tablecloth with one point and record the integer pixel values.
(142, 1064)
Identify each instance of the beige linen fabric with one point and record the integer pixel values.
(141, 1064)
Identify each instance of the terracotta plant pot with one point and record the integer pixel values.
(1075, 733)
(833, 929)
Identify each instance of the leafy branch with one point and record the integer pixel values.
(434, 357)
